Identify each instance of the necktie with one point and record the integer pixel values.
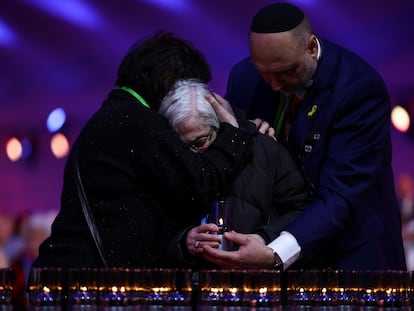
(280, 116)
(291, 106)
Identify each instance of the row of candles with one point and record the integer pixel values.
(207, 288)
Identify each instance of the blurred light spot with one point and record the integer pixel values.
(26, 148)
(59, 145)
(56, 120)
(400, 119)
(7, 35)
(14, 149)
(74, 11)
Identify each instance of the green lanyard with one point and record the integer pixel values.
(280, 115)
(135, 94)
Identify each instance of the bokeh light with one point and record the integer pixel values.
(400, 119)
(14, 149)
(59, 145)
(56, 120)
(26, 148)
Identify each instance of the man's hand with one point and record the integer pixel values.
(252, 253)
(264, 127)
(222, 108)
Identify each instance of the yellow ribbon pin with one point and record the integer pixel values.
(310, 113)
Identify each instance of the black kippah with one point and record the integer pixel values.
(277, 17)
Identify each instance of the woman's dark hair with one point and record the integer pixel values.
(153, 65)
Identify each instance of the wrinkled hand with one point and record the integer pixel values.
(252, 253)
(200, 236)
(264, 128)
(222, 108)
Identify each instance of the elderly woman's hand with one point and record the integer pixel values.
(201, 235)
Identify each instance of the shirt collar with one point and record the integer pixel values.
(319, 49)
(318, 57)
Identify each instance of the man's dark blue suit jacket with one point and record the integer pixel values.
(341, 135)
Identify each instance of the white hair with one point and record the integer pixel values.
(187, 99)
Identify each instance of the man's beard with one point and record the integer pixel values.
(308, 77)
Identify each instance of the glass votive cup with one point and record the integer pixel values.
(346, 292)
(181, 292)
(212, 284)
(112, 286)
(159, 284)
(221, 213)
(388, 288)
(6, 287)
(397, 288)
(45, 286)
(261, 288)
(135, 287)
(83, 288)
(326, 288)
(301, 287)
(232, 285)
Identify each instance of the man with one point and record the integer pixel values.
(142, 184)
(339, 130)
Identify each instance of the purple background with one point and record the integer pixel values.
(65, 54)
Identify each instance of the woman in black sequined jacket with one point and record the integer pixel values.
(142, 182)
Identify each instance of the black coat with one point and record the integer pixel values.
(143, 185)
(267, 194)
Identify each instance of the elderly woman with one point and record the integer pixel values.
(268, 193)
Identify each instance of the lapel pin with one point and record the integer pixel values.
(310, 113)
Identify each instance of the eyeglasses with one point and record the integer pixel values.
(200, 142)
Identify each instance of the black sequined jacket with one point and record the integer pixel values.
(143, 185)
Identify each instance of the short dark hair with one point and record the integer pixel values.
(153, 65)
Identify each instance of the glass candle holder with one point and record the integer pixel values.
(6, 289)
(325, 288)
(45, 287)
(181, 293)
(158, 284)
(346, 293)
(301, 287)
(221, 215)
(261, 288)
(212, 284)
(232, 282)
(135, 287)
(111, 287)
(384, 288)
(83, 288)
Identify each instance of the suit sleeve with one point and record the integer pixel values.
(356, 163)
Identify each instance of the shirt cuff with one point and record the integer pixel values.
(287, 248)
